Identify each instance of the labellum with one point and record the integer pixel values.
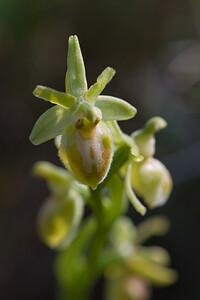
(87, 146)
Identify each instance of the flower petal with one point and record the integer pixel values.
(65, 100)
(113, 108)
(96, 89)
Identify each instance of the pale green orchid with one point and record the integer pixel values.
(79, 116)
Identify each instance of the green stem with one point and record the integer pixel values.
(94, 247)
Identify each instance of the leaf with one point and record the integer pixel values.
(113, 108)
(96, 89)
(76, 70)
(65, 100)
(50, 124)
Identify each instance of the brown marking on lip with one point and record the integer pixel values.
(106, 141)
(74, 160)
(91, 152)
(105, 155)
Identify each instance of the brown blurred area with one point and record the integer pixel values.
(155, 48)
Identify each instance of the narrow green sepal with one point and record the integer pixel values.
(96, 89)
(113, 108)
(50, 124)
(154, 125)
(145, 139)
(48, 171)
(117, 134)
(156, 254)
(153, 226)
(65, 100)
(130, 193)
(157, 274)
(76, 70)
(121, 138)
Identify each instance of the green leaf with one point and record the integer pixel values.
(96, 89)
(76, 69)
(50, 124)
(113, 108)
(134, 200)
(65, 100)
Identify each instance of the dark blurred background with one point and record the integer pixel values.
(155, 47)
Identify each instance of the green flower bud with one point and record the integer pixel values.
(144, 138)
(152, 181)
(58, 220)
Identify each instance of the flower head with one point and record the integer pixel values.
(79, 116)
(150, 178)
(61, 213)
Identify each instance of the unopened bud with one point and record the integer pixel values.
(57, 220)
(152, 181)
(144, 138)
